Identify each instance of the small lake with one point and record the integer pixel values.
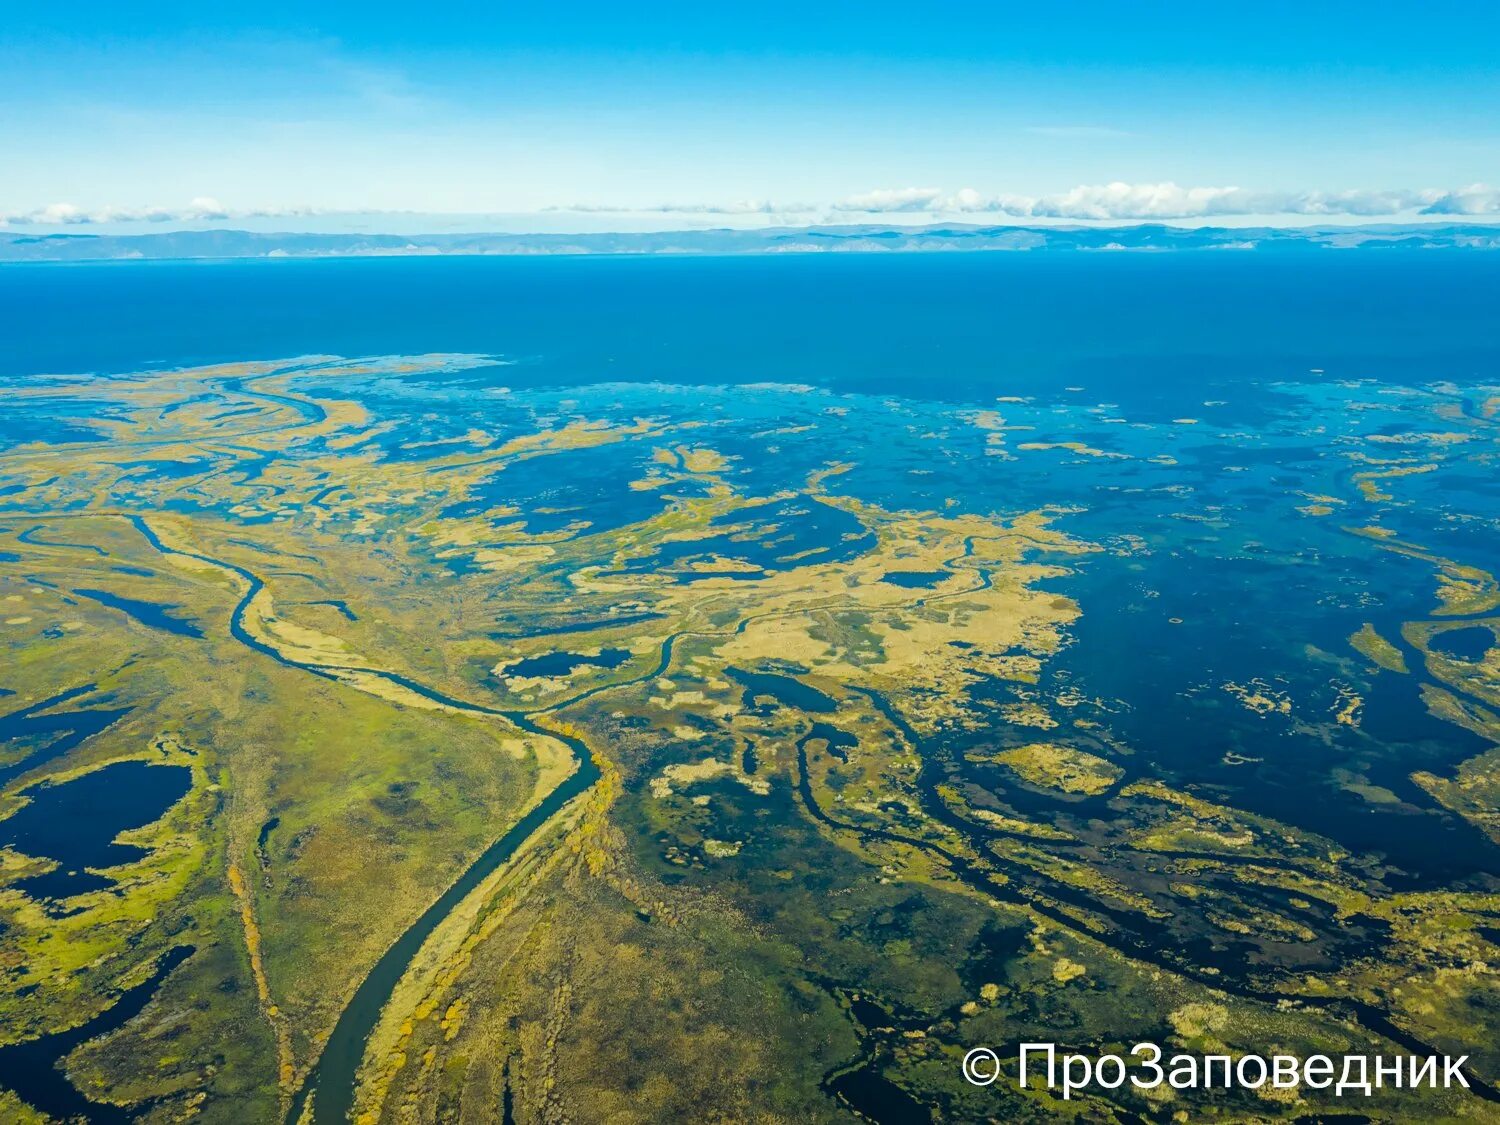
(914, 579)
(840, 742)
(147, 613)
(1468, 643)
(564, 663)
(45, 737)
(75, 822)
(878, 1099)
(784, 689)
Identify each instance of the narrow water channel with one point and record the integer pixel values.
(332, 1081)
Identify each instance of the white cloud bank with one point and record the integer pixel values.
(1123, 201)
(1116, 202)
(200, 210)
(894, 200)
(742, 207)
(1476, 199)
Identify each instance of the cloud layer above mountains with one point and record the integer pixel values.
(1169, 201)
(202, 210)
(1113, 202)
(1122, 202)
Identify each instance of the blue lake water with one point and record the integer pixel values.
(147, 613)
(563, 663)
(941, 326)
(34, 735)
(914, 579)
(75, 822)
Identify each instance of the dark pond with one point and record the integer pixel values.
(31, 1070)
(147, 613)
(341, 606)
(164, 470)
(45, 737)
(563, 663)
(1470, 643)
(873, 1096)
(784, 689)
(914, 579)
(76, 822)
(840, 742)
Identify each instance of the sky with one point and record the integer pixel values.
(587, 116)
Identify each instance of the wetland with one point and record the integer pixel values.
(391, 733)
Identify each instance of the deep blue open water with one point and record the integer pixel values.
(935, 325)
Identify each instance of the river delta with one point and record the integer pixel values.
(380, 739)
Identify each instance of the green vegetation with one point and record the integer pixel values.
(823, 834)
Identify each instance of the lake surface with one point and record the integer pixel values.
(75, 822)
(930, 326)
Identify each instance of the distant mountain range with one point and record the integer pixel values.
(773, 240)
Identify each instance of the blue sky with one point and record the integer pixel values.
(592, 116)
